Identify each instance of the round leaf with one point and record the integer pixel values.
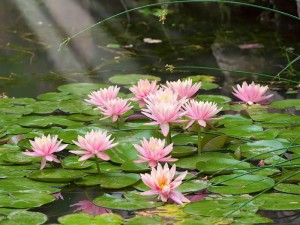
(56, 175)
(128, 79)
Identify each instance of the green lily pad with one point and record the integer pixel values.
(275, 119)
(17, 158)
(289, 176)
(235, 120)
(131, 166)
(221, 165)
(215, 143)
(260, 149)
(128, 79)
(122, 153)
(22, 110)
(110, 180)
(20, 184)
(200, 78)
(56, 175)
(81, 88)
(71, 162)
(278, 201)
(288, 188)
(185, 139)
(84, 219)
(25, 200)
(241, 184)
(21, 101)
(131, 202)
(144, 220)
(75, 106)
(181, 151)
(44, 107)
(42, 121)
(25, 218)
(208, 86)
(55, 96)
(219, 99)
(286, 103)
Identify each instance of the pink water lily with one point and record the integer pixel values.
(202, 112)
(252, 93)
(162, 184)
(184, 88)
(45, 147)
(154, 151)
(115, 108)
(164, 108)
(94, 143)
(141, 91)
(103, 95)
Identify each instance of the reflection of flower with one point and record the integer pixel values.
(94, 143)
(184, 88)
(58, 195)
(252, 93)
(164, 108)
(99, 97)
(45, 147)
(202, 112)
(160, 182)
(142, 89)
(89, 207)
(153, 151)
(114, 108)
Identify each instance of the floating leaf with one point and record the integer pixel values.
(286, 103)
(56, 175)
(84, 219)
(110, 180)
(221, 165)
(292, 176)
(22, 110)
(42, 121)
(278, 201)
(185, 139)
(144, 220)
(128, 79)
(220, 99)
(288, 188)
(44, 107)
(81, 88)
(16, 158)
(55, 96)
(181, 151)
(122, 153)
(241, 184)
(215, 143)
(131, 166)
(260, 149)
(25, 200)
(128, 203)
(235, 120)
(25, 218)
(71, 162)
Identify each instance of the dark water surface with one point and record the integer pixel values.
(198, 34)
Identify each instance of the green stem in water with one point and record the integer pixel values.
(169, 138)
(97, 164)
(118, 123)
(199, 139)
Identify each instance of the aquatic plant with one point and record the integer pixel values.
(184, 89)
(100, 97)
(154, 151)
(45, 147)
(252, 93)
(162, 184)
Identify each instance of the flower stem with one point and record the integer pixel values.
(169, 137)
(118, 124)
(97, 164)
(199, 139)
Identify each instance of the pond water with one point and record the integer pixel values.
(209, 36)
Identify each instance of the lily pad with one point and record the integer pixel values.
(241, 184)
(25, 200)
(71, 162)
(128, 203)
(55, 96)
(122, 153)
(286, 103)
(220, 99)
(278, 201)
(44, 107)
(128, 79)
(56, 175)
(221, 165)
(25, 218)
(131, 166)
(110, 180)
(42, 121)
(181, 151)
(84, 219)
(81, 88)
(288, 188)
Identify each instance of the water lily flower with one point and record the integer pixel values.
(154, 151)
(142, 89)
(202, 112)
(45, 147)
(184, 88)
(115, 108)
(103, 95)
(94, 143)
(252, 93)
(88, 207)
(162, 184)
(164, 108)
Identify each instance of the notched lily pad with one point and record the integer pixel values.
(25, 218)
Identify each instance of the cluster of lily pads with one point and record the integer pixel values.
(243, 161)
